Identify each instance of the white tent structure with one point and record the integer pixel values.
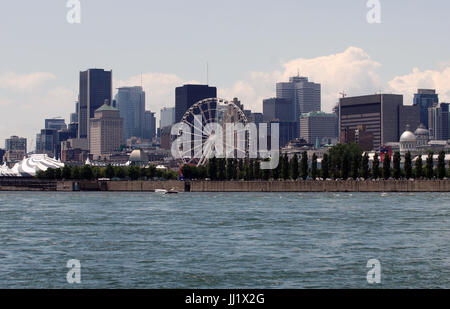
(30, 166)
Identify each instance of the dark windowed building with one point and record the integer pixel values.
(188, 95)
(425, 99)
(95, 88)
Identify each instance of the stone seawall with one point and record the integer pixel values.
(322, 186)
(228, 186)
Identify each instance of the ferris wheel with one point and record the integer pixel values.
(208, 120)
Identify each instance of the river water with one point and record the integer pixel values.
(224, 240)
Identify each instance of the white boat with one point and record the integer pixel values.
(162, 191)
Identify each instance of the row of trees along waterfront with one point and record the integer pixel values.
(343, 161)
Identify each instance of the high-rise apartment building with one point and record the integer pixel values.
(149, 125)
(131, 103)
(438, 121)
(188, 95)
(425, 99)
(95, 88)
(16, 148)
(106, 131)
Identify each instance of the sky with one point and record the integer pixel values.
(249, 46)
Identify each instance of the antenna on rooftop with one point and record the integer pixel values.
(343, 94)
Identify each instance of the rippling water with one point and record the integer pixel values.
(224, 240)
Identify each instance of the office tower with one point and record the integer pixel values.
(279, 109)
(16, 148)
(131, 104)
(2, 153)
(74, 116)
(305, 95)
(167, 117)
(318, 127)
(364, 138)
(256, 118)
(149, 125)
(425, 98)
(47, 142)
(408, 115)
(379, 113)
(95, 88)
(438, 121)
(106, 131)
(188, 95)
(55, 124)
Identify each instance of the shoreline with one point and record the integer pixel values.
(32, 184)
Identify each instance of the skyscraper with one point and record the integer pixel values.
(425, 98)
(149, 125)
(379, 113)
(16, 148)
(438, 121)
(106, 131)
(305, 95)
(95, 88)
(318, 126)
(281, 111)
(131, 103)
(188, 95)
(56, 124)
(167, 117)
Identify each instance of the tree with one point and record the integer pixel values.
(257, 168)
(441, 165)
(429, 166)
(314, 167)
(235, 169)
(387, 166)
(408, 165)
(325, 170)
(397, 169)
(294, 167)
(251, 170)
(66, 172)
(120, 172)
(221, 168)
(241, 171)
(109, 171)
(86, 172)
(230, 168)
(376, 167)
(58, 173)
(285, 167)
(345, 167)
(419, 167)
(76, 173)
(365, 166)
(50, 173)
(134, 172)
(356, 162)
(304, 166)
(212, 168)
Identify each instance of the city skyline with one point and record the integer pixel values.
(40, 80)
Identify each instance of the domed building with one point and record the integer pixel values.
(408, 141)
(422, 136)
(138, 157)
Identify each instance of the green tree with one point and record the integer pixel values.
(294, 167)
(419, 167)
(76, 173)
(134, 172)
(212, 168)
(314, 171)
(58, 173)
(121, 172)
(230, 169)
(376, 167)
(304, 166)
(345, 166)
(397, 168)
(285, 167)
(365, 166)
(408, 165)
(86, 172)
(441, 165)
(257, 170)
(356, 163)
(387, 166)
(325, 170)
(429, 166)
(109, 171)
(66, 172)
(221, 168)
(235, 169)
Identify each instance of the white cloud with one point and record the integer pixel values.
(22, 82)
(352, 71)
(429, 79)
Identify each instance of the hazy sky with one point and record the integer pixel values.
(249, 44)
